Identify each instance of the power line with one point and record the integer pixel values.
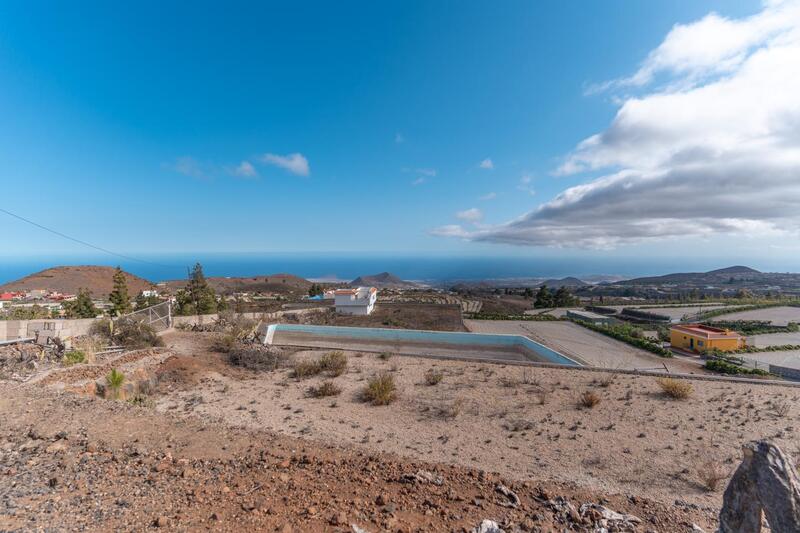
(104, 250)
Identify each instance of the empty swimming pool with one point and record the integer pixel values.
(416, 342)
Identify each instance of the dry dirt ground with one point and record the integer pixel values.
(779, 316)
(224, 448)
(71, 462)
(585, 345)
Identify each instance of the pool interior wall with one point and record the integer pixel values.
(414, 342)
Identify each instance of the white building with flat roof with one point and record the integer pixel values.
(358, 301)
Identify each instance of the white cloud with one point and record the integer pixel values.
(419, 181)
(294, 163)
(709, 146)
(470, 215)
(452, 230)
(525, 185)
(486, 164)
(245, 170)
(488, 196)
(188, 166)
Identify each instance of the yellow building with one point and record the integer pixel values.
(699, 338)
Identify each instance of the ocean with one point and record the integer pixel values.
(436, 269)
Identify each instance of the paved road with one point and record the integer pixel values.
(584, 345)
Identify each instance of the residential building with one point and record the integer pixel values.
(699, 338)
(358, 301)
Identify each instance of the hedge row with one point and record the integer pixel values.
(623, 333)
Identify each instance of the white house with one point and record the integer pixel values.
(360, 301)
(150, 293)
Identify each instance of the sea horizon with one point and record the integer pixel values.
(337, 267)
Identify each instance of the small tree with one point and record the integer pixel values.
(119, 298)
(315, 290)
(543, 298)
(563, 298)
(82, 306)
(198, 298)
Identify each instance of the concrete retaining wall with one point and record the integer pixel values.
(44, 328)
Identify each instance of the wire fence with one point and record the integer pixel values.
(158, 316)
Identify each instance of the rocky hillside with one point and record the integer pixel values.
(68, 279)
(271, 283)
(382, 280)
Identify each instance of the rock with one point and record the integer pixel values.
(382, 499)
(286, 528)
(512, 500)
(487, 526)
(338, 519)
(161, 521)
(422, 476)
(766, 481)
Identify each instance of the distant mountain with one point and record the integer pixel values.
(382, 280)
(68, 279)
(568, 282)
(714, 276)
(738, 269)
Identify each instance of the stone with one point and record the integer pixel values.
(512, 500)
(487, 526)
(766, 481)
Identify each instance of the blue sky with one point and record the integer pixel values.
(188, 126)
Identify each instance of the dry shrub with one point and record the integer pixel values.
(433, 376)
(326, 388)
(380, 390)
(135, 334)
(540, 397)
(607, 380)
(306, 369)
(711, 473)
(450, 410)
(588, 399)
(518, 425)
(259, 358)
(509, 382)
(780, 408)
(334, 363)
(224, 342)
(676, 389)
(385, 356)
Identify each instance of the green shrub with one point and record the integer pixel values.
(728, 367)
(114, 381)
(74, 357)
(380, 390)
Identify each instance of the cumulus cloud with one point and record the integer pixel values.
(488, 196)
(470, 215)
(245, 170)
(486, 164)
(709, 144)
(294, 163)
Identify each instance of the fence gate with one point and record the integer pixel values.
(158, 316)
